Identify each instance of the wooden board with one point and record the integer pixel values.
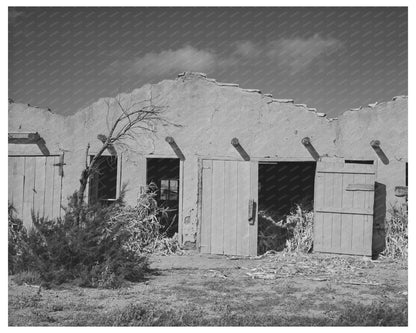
(344, 208)
(206, 198)
(217, 213)
(35, 185)
(227, 188)
(230, 207)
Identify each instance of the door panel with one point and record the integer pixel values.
(35, 184)
(344, 200)
(227, 188)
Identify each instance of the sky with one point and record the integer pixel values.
(331, 58)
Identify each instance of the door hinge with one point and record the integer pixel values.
(60, 164)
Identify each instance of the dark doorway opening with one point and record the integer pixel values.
(103, 182)
(163, 174)
(283, 186)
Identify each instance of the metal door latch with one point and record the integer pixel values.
(251, 211)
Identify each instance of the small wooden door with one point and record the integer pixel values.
(344, 201)
(229, 207)
(35, 183)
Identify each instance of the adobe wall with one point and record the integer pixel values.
(205, 115)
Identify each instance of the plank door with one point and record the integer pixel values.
(35, 184)
(229, 207)
(344, 202)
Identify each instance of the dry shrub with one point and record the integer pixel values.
(98, 246)
(17, 242)
(272, 232)
(300, 222)
(290, 233)
(396, 233)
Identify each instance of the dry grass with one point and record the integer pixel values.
(302, 222)
(396, 228)
(136, 314)
(290, 233)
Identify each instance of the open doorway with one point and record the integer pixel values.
(283, 186)
(163, 174)
(103, 182)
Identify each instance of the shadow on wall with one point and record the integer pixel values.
(379, 232)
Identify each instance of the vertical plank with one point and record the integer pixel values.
(368, 220)
(329, 203)
(11, 178)
(217, 230)
(359, 201)
(369, 179)
(206, 206)
(56, 208)
(327, 232)
(336, 233)
(49, 187)
(254, 190)
(346, 219)
(319, 195)
(230, 208)
(337, 203)
(29, 181)
(39, 185)
(346, 232)
(367, 235)
(318, 232)
(319, 190)
(357, 234)
(18, 185)
(243, 199)
(329, 190)
(337, 189)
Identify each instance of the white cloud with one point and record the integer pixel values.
(294, 54)
(170, 62)
(247, 49)
(298, 53)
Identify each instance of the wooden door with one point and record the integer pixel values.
(35, 183)
(344, 201)
(229, 207)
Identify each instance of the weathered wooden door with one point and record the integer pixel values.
(35, 183)
(344, 201)
(229, 207)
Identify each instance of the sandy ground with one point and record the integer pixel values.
(285, 284)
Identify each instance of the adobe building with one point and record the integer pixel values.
(221, 154)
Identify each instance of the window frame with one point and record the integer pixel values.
(118, 178)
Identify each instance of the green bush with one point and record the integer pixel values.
(17, 242)
(98, 246)
(29, 277)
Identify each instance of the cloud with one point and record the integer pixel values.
(294, 54)
(247, 49)
(298, 53)
(168, 62)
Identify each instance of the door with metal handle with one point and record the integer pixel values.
(251, 211)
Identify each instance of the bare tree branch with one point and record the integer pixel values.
(134, 117)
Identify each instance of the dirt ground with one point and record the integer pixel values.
(315, 285)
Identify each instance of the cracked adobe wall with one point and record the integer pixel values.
(210, 114)
(386, 122)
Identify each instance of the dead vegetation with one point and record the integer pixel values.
(206, 291)
(396, 228)
(291, 233)
(335, 268)
(94, 246)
